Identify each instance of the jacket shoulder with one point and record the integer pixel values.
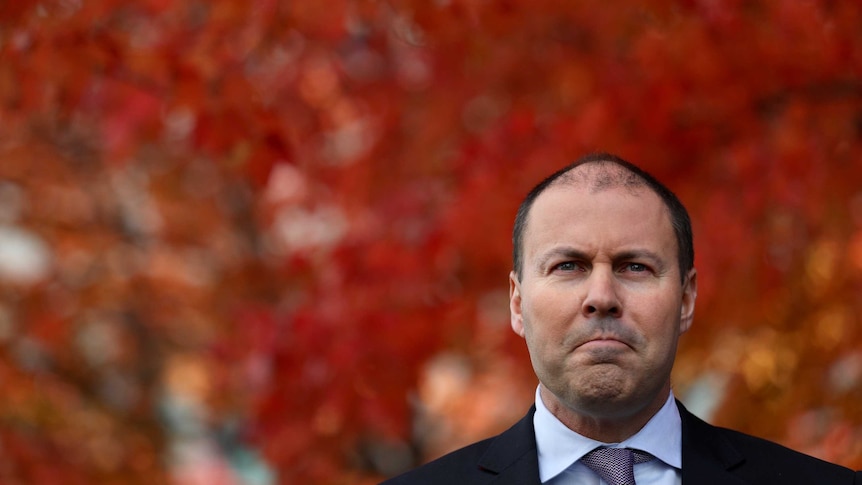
(756, 460)
(786, 463)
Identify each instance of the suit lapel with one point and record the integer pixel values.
(512, 457)
(707, 456)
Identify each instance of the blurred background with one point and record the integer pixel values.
(261, 242)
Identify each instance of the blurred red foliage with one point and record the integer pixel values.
(269, 240)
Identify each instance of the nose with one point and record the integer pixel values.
(602, 299)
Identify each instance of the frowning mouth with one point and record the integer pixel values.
(602, 351)
(604, 343)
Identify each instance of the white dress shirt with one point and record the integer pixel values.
(560, 448)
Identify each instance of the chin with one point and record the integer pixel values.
(608, 402)
(607, 393)
(595, 398)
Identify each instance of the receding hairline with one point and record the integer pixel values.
(600, 175)
(603, 171)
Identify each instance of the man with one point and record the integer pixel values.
(603, 286)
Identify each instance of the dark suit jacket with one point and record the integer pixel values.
(710, 456)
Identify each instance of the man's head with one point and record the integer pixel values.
(601, 294)
(628, 175)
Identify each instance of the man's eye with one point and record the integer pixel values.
(636, 267)
(567, 266)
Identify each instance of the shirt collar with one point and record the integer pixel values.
(558, 446)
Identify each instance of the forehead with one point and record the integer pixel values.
(600, 216)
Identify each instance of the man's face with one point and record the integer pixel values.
(599, 300)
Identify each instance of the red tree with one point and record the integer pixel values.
(249, 236)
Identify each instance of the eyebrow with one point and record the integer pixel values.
(641, 254)
(564, 252)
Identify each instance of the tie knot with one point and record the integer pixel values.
(615, 465)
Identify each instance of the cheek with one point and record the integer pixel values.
(543, 320)
(552, 305)
(547, 321)
(663, 332)
(653, 313)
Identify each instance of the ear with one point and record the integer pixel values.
(689, 295)
(515, 304)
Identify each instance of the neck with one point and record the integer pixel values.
(600, 427)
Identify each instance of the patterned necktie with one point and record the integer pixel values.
(615, 465)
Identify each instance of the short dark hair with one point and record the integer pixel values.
(678, 215)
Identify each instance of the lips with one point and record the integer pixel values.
(605, 342)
